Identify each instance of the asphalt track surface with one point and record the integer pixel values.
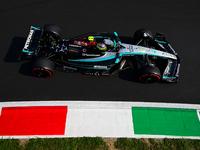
(179, 20)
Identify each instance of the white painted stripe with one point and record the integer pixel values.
(32, 136)
(198, 114)
(99, 122)
(100, 104)
(133, 136)
(0, 110)
(164, 136)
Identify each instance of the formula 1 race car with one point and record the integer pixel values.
(102, 53)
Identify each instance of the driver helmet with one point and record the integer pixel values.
(101, 46)
(91, 38)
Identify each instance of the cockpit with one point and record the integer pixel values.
(102, 41)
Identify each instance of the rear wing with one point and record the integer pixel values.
(32, 42)
(171, 73)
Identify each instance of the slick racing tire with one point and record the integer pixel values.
(53, 31)
(149, 74)
(144, 34)
(43, 68)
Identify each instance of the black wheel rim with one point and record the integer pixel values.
(149, 78)
(41, 72)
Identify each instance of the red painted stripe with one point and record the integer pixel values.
(38, 120)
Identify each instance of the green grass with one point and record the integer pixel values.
(134, 144)
(88, 143)
(9, 144)
(165, 144)
(85, 143)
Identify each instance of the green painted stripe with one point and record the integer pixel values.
(165, 121)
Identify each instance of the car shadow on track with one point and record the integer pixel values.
(129, 75)
(15, 49)
(14, 54)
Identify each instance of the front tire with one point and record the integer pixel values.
(149, 75)
(144, 34)
(43, 68)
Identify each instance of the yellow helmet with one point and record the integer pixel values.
(91, 38)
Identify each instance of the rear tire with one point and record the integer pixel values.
(52, 30)
(43, 67)
(149, 74)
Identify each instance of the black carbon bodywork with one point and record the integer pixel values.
(81, 53)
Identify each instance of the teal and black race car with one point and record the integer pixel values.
(102, 53)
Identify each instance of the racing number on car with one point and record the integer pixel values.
(131, 48)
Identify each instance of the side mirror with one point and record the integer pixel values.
(159, 37)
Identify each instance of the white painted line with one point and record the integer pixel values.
(100, 104)
(133, 136)
(0, 110)
(32, 136)
(99, 122)
(164, 136)
(198, 114)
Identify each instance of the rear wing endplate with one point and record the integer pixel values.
(32, 41)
